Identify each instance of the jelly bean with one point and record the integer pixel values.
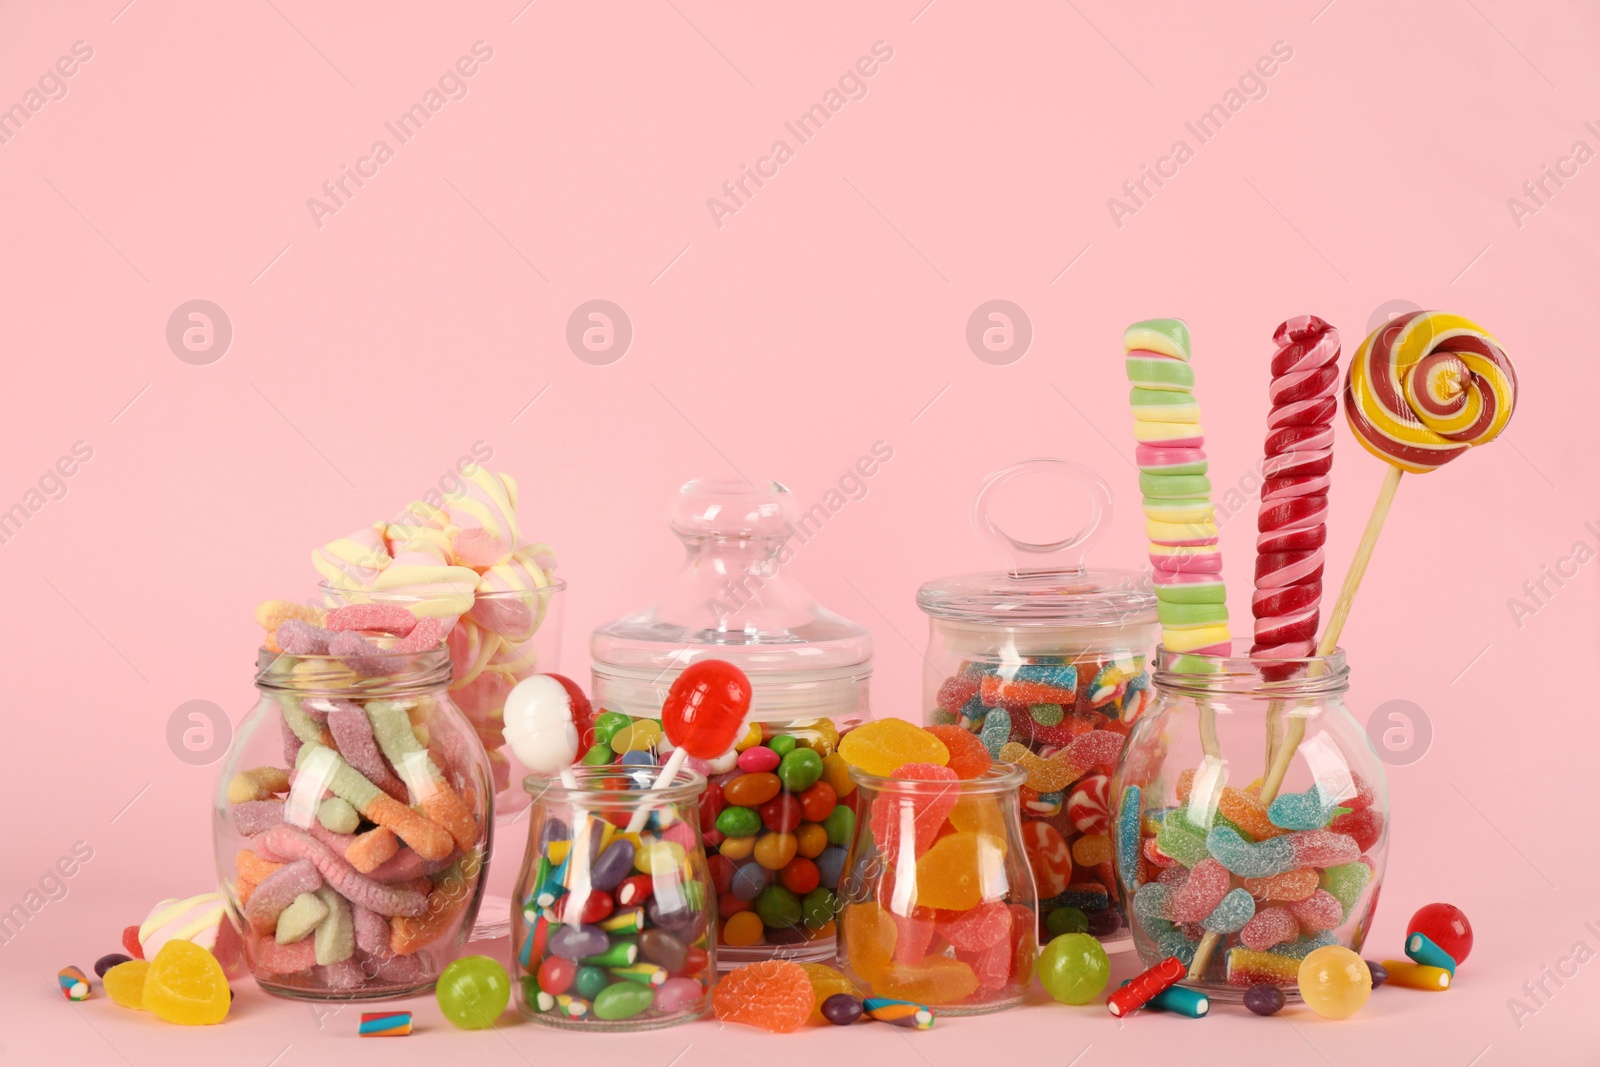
(1365, 827)
(614, 864)
(1230, 916)
(1445, 925)
(1309, 810)
(841, 1009)
(781, 814)
(1066, 921)
(783, 744)
(663, 948)
(1184, 843)
(108, 961)
(635, 889)
(557, 974)
(778, 907)
(1420, 948)
(1091, 850)
(597, 905)
(623, 1000)
(1380, 973)
(578, 942)
(630, 921)
(812, 838)
(1262, 859)
(74, 983)
(1048, 857)
(661, 857)
(817, 800)
(1074, 968)
(620, 952)
(639, 736)
(882, 745)
(749, 880)
(638, 759)
(739, 848)
(1264, 999)
(678, 994)
(759, 760)
(1247, 968)
(590, 981)
(996, 731)
(743, 929)
(1269, 927)
(774, 850)
(800, 770)
(606, 725)
(738, 822)
(830, 866)
(836, 772)
(799, 876)
(1346, 882)
(1288, 886)
(818, 908)
(599, 755)
(1317, 912)
(1334, 982)
(840, 826)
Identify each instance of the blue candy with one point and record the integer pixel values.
(830, 866)
(1090, 896)
(749, 879)
(1424, 950)
(1302, 811)
(996, 731)
(638, 759)
(1061, 677)
(1229, 917)
(1263, 859)
(1128, 835)
(1149, 908)
(1175, 944)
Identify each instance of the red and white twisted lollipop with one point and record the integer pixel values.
(1294, 495)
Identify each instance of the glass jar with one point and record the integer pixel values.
(352, 823)
(614, 928)
(1251, 818)
(939, 902)
(776, 823)
(1045, 661)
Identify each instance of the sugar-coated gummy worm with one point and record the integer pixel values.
(372, 849)
(392, 728)
(278, 891)
(345, 974)
(352, 732)
(444, 905)
(275, 959)
(290, 843)
(371, 930)
(428, 838)
(300, 918)
(253, 867)
(335, 936)
(253, 816)
(404, 866)
(382, 618)
(257, 783)
(336, 814)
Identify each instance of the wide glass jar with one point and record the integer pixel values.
(352, 824)
(614, 929)
(1045, 661)
(778, 812)
(939, 902)
(1251, 817)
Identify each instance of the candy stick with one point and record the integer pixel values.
(1421, 390)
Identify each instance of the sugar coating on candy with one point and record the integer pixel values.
(392, 728)
(379, 618)
(1288, 886)
(278, 891)
(981, 928)
(1262, 859)
(1365, 827)
(1183, 842)
(1317, 912)
(257, 783)
(300, 918)
(1200, 894)
(1128, 840)
(924, 810)
(1322, 848)
(272, 958)
(369, 930)
(291, 844)
(1346, 883)
(774, 995)
(996, 731)
(880, 746)
(1309, 810)
(335, 936)
(442, 907)
(968, 756)
(1246, 811)
(428, 838)
(352, 732)
(336, 814)
(360, 655)
(1270, 926)
(1230, 916)
(1306, 945)
(1247, 967)
(299, 638)
(124, 983)
(372, 849)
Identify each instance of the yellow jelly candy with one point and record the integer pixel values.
(979, 815)
(185, 985)
(883, 746)
(836, 772)
(960, 872)
(935, 980)
(867, 935)
(125, 983)
(825, 982)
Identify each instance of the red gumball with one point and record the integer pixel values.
(1446, 926)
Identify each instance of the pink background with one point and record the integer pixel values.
(828, 313)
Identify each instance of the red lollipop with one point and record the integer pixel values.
(705, 708)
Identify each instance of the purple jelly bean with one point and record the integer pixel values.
(578, 942)
(613, 866)
(111, 959)
(842, 1009)
(1380, 973)
(1264, 999)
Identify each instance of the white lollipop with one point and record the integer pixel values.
(540, 729)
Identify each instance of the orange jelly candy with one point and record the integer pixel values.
(936, 980)
(968, 757)
(868, 934)
(773, 995)
(961, 871)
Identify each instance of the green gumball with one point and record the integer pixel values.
(1074, 969)
(473, 991)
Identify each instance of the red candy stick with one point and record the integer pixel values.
(1139, 992)
(702, 716)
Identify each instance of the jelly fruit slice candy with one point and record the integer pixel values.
(774, 995)
(185, 985)
(125, 983)
(923, 808)
(968, 758)
(883, 745)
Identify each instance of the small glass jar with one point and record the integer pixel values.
(352, 823)
(614, 928)
(776, 823)
(1251, 817)
(1045, 662)
(939, 902)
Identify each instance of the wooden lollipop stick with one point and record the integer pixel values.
(1295, 730)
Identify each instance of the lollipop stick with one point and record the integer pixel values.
(1296, 729)
(669, 771)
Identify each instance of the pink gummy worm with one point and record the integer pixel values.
(352, 733)
(277, 891)
(257, 816)
(289, 843)
(406, 865)
(1292, 522)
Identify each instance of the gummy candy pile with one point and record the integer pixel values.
(459, 559)
(939, 909)
(1275, 882)
(615, 926)
(1064, 719)
(362, 852)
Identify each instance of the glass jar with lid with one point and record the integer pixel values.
(777, 815)
(1045, 661)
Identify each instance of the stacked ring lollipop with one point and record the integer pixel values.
(1422, 389)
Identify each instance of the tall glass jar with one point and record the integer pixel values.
(1045, 661)
(614, 929)
(352, 823)
(939, 902)
(778, 812)
(1251, 818)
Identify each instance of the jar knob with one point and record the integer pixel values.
(1026, 558)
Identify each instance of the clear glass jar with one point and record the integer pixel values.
(776, 823)
(939, 902)
(1045, 661)
(1251, 818)
(352, 824)
(614, 929)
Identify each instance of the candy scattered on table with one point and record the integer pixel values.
(1335, 982)
(773, 995)
(899, 1013)
(1421, 949)
(1408, 975)
(124, 983)
(841, 1009)
(1446, 926)
(184, 984)
(1074, 968)
(1264, 999)
(1380, 973)
(108, 961)
(1180, 1000)
(1145, 987)
(384, 1024)
(473, 991)
(74, 983)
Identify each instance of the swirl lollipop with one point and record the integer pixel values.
(1422, 390)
